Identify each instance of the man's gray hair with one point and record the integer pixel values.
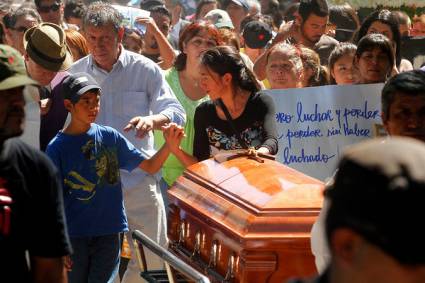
(102, 14)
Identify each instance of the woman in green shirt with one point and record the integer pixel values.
(183, 79)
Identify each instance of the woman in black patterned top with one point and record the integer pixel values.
(232, 88)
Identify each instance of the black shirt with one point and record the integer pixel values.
(256, 125)
(37, 222)
(55, 118)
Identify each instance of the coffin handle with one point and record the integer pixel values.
(197, 246)
(213, 255)
(230, 274)
(182, 232)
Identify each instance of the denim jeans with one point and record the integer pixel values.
(95, 259)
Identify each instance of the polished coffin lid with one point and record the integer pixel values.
(251, 199)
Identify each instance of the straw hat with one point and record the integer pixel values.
(45, 44)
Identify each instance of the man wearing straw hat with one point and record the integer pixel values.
(46, 57)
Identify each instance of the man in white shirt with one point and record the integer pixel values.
(133, 89)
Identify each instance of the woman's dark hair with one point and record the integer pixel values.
(225, 59)
(376, 40)
(346, 21)
(385, 17)
(189, 32)
(342, 49)
(201, 4)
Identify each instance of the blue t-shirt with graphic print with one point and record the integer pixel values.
(89, 165)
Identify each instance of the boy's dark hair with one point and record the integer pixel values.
(74, 9)
(376, 40)
(385, 17)
(160, 10)
(317, 7)
(410, 83)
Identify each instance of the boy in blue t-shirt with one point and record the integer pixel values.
(89, 157)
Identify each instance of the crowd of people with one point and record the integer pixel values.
(119, 103)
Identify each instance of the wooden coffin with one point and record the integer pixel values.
(244, 221)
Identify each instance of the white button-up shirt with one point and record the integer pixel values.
(135, 86)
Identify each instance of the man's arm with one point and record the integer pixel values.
(163, 104)
(48, 270)
(166, 51)
(143, 125)
(289, 30)
(260, 65)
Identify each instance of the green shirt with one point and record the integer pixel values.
(172, 167)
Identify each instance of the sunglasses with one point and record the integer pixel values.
(45, 9)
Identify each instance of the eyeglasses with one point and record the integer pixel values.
(45, 9)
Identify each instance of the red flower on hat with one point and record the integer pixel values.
(261, 36)
(11, 59)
